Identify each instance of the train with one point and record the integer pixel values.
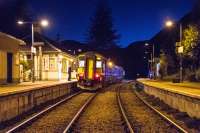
(96, 71)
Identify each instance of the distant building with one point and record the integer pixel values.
(50, 61)
(9, 58)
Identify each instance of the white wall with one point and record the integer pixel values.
(49, 75)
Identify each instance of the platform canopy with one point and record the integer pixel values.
(9, 43)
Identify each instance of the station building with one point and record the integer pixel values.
(50, 61)
(9, 58)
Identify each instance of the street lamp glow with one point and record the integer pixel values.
(146, 44)
(44, 23)
(20, 22)
(110, 64)
(169, 23)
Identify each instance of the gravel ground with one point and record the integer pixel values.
(181, 118)
(143, 119)
(102, 115)
(57, 120)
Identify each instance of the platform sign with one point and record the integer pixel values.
(33, 50)
(180, 49)
(38, 43)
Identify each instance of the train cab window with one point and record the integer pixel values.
(99, 64)
(81, 63)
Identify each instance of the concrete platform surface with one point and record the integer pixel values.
(187, 88)
(10, 89)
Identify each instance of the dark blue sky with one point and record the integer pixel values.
(134, 19)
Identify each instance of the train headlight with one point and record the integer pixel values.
(81, 76)
(97, 75)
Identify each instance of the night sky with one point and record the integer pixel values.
(134, 19)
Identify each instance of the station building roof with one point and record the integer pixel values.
(9, 43)
(49, 46)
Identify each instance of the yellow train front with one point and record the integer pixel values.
(95, 71)
(91, 71)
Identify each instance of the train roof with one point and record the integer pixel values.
(91, 53)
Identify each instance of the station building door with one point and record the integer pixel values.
(9, 67)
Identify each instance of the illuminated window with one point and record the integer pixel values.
(81, 63)
(46, 63)
(99, 64)
(64, 65)
(52, 63)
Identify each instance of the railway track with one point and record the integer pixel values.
(141, 116)
(101, 115)
(164, 117)
(56, 117)
(111, 110)
(129, 127)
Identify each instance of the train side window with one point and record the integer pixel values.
(81, 63)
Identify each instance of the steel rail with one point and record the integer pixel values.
(130, 128)
(31, 119)
(161, 114)
(75, 118)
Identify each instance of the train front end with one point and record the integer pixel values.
(91, 71)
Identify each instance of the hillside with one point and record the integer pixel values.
(73, 47)
(164, 40)
(134, 62)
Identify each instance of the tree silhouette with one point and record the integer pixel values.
(101, 34)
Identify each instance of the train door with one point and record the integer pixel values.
(90, 69)
(9, 67)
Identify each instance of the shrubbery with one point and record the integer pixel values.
(198, 74)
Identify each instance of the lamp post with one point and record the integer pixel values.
(43, 23)
(170, 23)
(152, 60)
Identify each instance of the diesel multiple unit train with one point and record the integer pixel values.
(95, 71)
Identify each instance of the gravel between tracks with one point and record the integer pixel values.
(57, 119)
(102, 115)
(143, 119)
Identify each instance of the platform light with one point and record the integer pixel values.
(169, 23)
(110, 64)
(20, 22)
(44, 23)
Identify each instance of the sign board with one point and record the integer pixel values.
(38, 43)
(33, 50)
(180, 49)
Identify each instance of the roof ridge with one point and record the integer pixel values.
(51, 45)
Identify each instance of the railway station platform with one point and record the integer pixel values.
(182, 96)
(185, 88)
(18, 99)
(10, 89)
